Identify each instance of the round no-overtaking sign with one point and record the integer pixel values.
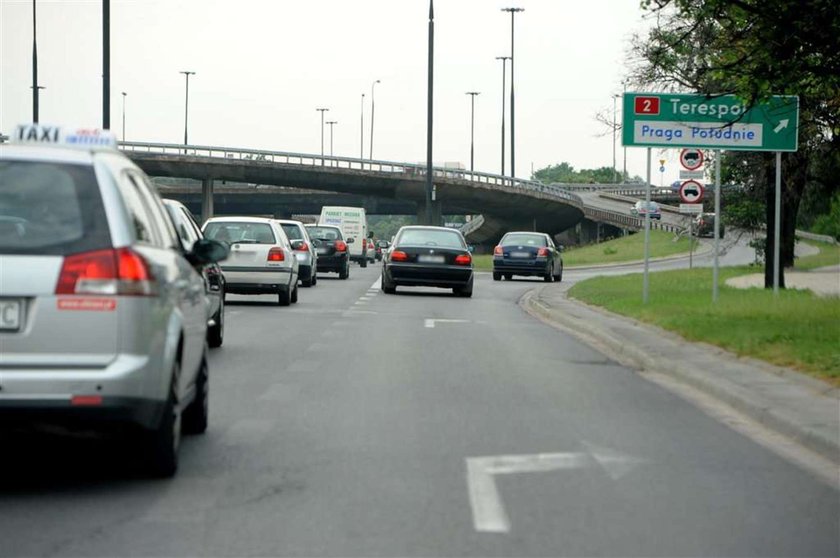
(691, 191)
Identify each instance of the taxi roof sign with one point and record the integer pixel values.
(82, 138)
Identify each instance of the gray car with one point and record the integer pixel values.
(305, 251)
(102, 313)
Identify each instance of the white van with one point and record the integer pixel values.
(354, 226)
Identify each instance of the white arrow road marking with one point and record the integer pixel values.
(376, 284)
(430, 322)
(783, 123)
(489, 514)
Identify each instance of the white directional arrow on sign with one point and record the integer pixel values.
(783, 123)
(489, 514)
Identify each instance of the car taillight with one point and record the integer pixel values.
(276, 255)
(542, 252)
(340, 246)
(302, 247)
(399, 256)
(498, 251)
(106, 272)
(463, 259)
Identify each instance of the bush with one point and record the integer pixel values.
(829, 224)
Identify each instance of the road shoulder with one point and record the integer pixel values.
(783, 400)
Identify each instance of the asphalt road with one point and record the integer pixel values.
(362, 424)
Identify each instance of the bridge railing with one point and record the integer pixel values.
(352, 163)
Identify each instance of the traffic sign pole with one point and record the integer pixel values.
(717, 226)
(778, 223)
(647, 231)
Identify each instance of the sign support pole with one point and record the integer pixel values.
(778, 223)
(647, 231)
(690, 242)
(717, 227)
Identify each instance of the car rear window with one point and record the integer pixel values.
(50, 209)
(524, 240)
(430, 237)
(292, 231)
(325, 233)
(234, 232)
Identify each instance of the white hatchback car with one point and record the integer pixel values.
(261, 259)
(102, 312)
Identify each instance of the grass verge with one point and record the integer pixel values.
(797, 329)
(618, 250)
(829, 255)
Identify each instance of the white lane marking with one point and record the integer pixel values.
(365, 298)
(376, 284)
(430, 322)
(489, 514)
(360, 302)
(356, 312)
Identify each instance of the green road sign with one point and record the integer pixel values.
(718, 122)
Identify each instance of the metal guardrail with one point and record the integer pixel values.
(817, 237)
(354, 164)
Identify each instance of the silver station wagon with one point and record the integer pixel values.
(102, 312)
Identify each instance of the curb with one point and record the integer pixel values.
(730, 393)
(683, 256)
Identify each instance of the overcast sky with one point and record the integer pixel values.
(264, 66)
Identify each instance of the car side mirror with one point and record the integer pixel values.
(298, 244)
(370, 234)
(206, 251)
(350, 240)
(316, 243)
(471, 248)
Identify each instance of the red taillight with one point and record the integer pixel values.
(276, 255)
(105, 272)
(303, 247)
(399, 256)
(463, 259)
(86, 400)
(497, 251)
(542, 253)
(340, 246)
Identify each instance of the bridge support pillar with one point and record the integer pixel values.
(206, 199)
(437, 216)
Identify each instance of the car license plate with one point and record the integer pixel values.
(300, 256)
(520, 255)
(322, 250)
(428, 258)
(10, 314)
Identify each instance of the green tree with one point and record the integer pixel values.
(754, 49)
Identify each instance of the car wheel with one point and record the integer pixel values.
(195, 415)
(309, 281)
(465, 291)
(161, 445)
(388, 287)
(314, 278)
(284, 298)
(547, 276)
(363, 263)
(294, 297)
(559, 276)
(216, 333)
(497, 276)
(344, 273)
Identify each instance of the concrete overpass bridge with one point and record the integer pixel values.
(381, 186)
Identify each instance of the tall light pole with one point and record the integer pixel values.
(624, 157)
(322, 111)
(504, 60)
(615, 169)
(429, 113)
(106, 65)
(187, 75)
(35, 87)
(372, 85)
(472, 95)
(362, 130)
(124, 95)
(513, 12)
(331, 123)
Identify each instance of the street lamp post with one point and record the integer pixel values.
(187, 75)
(322, 111)
(124, 95)
(430, 114)
(504, 60)
(106, 65)
(362, 130)
(35, 87)
(624, 157)
(331, 123)
(615, 169)
(372, 85)
(472, 95)
(513, 12)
